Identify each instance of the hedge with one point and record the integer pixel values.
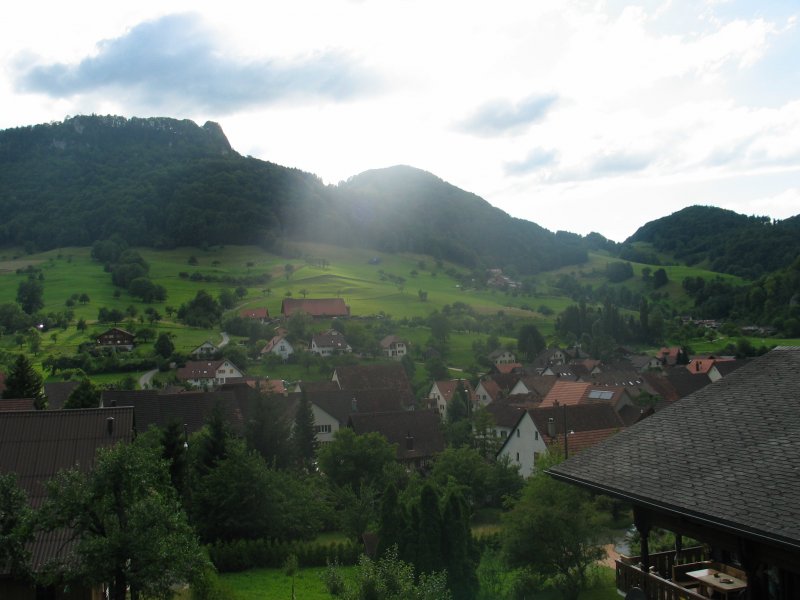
(242, 555)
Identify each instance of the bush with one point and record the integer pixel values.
(241, 555)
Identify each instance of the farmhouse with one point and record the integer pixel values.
(280, 346)
(204, 350)
(116, 338)
(329, 343)
(257, 314)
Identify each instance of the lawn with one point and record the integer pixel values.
(274, 584)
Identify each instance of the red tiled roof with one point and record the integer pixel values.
(509, 368)
(319, 307)
(580, 440)
(565, 392)
(254, 313)
(271, 344)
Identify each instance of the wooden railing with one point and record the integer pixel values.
(654, 587)
(661, 562)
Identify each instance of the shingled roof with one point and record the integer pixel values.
(185, 408)
(340, 404)
(375, 377)
(726, 455)
(36, 445)
(417, 433)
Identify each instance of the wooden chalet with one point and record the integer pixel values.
(116, 337)
(721, 466)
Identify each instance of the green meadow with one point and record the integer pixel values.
(374, 284)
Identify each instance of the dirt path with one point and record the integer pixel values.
(611, 556)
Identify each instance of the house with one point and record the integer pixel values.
(57, 393)
(376, 377)
(585, 424)
(257, 314)
(502, 356)
(332, 408)
(505, 369)
(17, 404)
(524, 444)
(116, 338)
(208, 373)
(329, 343)
(724, 471)
(566, 392)
(539, 385)
(505, 417)
(442, 392)
(204, 350)
(318, 308)
(487, 391)
(278, 346)
(190, 410)
(416, 434)
(62, 439)
(394, 347)
(672, 356)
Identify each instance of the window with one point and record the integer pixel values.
(517, 456)
(518, 434)
(536, 435)
(322, 428)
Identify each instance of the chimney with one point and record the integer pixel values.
(110, 425)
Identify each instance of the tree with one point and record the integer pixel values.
(554, 529)
(84, 298)
(164, 346)
(128, 526)
(30, 295)
(530, 342)
(660, 278)
(457, 547)
(268, 433)
(299, 326)
(304, 436)
(15, 526)
(24, 382)
(354, 460)
(440, 327)
(85, 395)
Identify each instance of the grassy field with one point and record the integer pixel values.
(370, 289)
(274, 584)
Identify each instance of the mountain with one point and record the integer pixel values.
(724, 240)
(163, 182)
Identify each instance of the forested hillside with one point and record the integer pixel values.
(163, 183)
(725, 241)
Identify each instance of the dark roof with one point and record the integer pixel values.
(330, 339)
(505, 415)
(676, 383)
(726, 367)
(340, 404)
(57, 393)
(728, 454)
(18, 404)
(375, 377)
(417, 433)
(254, 313)
(38, 444)
(316, 307)
(580, 417)
(185, 408)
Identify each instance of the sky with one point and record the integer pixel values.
(578, 116)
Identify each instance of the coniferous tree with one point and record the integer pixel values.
(174, 448)
(24, 382)
(85, 395)
(304, 437)
(390, 531)
(267, 432)
(214, 444)
(429, 548)
(457, 547)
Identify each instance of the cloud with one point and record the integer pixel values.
(536, 159)
(178, 58)
(498, 117)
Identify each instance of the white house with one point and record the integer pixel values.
(279, 346)
(394, 347)
(200, 373)
(487, 391)
(329, 343)
(523, 445)
(502, 357)
(325, 424)
(442, 392)
(204, 350)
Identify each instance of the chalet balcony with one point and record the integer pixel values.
(666, 578)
